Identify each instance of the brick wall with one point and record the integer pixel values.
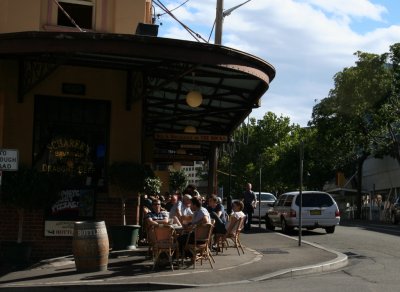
(107, 209)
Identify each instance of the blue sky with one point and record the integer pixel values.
(307, 41)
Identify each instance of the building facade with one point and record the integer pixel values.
(81, 86)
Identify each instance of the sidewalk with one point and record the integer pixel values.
(267, 255)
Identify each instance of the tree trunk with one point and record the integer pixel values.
(123, 209)
(20, 212)
(138, 210)
(360, 164)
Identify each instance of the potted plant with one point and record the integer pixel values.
(27, 189)
(177, 180)
(127, 180)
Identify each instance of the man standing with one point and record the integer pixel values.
(250, 203)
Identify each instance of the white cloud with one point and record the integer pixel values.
(307, 41)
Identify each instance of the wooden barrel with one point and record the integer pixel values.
(90, 246)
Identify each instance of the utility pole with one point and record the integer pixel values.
(219, 19)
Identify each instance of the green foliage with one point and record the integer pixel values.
(30, 189)
(270, 144)
(152, 186)
(350, 122)
(177, 180)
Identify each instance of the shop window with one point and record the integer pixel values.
(71, 137)
(81, 11)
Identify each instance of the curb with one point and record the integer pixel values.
(335, 264)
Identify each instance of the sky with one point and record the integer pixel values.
(307, 41)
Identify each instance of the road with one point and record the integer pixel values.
(374, 262)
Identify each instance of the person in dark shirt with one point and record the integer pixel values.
(156, 216)
(217, 212)
(250, 203)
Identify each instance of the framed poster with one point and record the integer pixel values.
(74, 205)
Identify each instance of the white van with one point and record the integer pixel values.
(267, 200)
(319, 210)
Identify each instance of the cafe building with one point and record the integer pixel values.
(85, 83)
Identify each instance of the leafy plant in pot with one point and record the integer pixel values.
(126, 180)
(28, 189)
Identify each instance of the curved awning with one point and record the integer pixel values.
(161, 72)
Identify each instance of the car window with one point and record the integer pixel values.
(267, 197)
(281, 200)
(288, 201)
(315, 200)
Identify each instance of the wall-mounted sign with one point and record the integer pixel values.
(8, 159)
(177, 157)
(74, 204)
(74, 88)
(58, 228)
(191, 137)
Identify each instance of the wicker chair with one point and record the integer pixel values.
(199, 247)
(232, 234)
(164, 242)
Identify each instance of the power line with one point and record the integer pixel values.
(194, 34)
(174, 8)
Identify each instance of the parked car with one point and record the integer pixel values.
(266, 202)
(395, 211)
(319, 210)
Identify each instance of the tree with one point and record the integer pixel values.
(268, 144)
(127, 179)
(349, 121)
(177, 180)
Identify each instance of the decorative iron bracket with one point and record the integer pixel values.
(31, 73)
(134, 88)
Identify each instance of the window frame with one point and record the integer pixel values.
(91, 3)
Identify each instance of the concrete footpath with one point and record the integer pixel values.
(267, 255)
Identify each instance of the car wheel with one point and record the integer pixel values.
(285, 227)
(330, 229)
(268, 224)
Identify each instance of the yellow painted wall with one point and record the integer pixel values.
(2, 98)
(125, 126)
(127, 15)
(19, 15)
(111, 16)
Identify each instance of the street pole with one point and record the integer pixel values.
(259, 201)
(229, 197)
(219, 19)
(218, 22)
(301, 189)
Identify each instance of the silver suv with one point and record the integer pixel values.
(319, 210)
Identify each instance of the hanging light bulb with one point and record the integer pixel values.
(194, 98)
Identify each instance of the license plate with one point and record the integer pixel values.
(315, 212)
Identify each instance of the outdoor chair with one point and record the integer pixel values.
(199, 247)
(150, 237)
(232, 234)
(165, 242)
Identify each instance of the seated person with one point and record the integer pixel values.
(237, 213)
(156, 216)
(217, 212)
(176, 206)
(200, 216)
